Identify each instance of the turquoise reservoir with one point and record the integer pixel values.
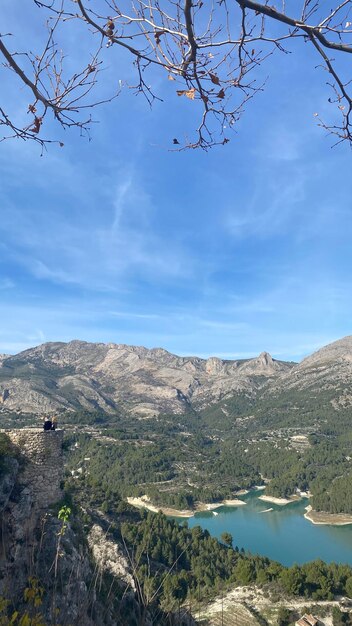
(282, 534)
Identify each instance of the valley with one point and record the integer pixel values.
(204, 455)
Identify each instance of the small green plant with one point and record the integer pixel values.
(64, 516)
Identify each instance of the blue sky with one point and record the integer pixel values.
(242, 249)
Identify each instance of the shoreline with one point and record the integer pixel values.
(280, 501)
(321, 518)
(144, 502)
(234, 502)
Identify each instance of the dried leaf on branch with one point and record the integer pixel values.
(228, 44)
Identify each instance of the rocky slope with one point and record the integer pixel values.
(146, 382)
(38, 550)
(327, 372)
(110, 377)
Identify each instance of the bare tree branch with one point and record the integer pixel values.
(307, 28)
(214, 53)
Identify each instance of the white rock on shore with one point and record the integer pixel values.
(279, 501)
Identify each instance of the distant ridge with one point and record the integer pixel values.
(110, 377)
(148, 382)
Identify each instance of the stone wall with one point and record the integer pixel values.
(30, 533)
(43, 470)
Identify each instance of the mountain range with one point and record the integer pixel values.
(148, 382)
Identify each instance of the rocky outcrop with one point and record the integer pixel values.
(35, 544)
(337, 352)
(30, 484)
(327, 370)
(4, 395)
(8, 481)
(109, 557)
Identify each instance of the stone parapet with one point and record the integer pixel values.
(43, 468)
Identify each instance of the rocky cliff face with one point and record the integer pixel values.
(30, 483)
(328, 369)
(33, 544)
(322, 379)
(136, 380)
(111, 376)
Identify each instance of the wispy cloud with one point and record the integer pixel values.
(217, 325)
(225, 253)
(271, 208)
(111, 243)
(181, 333)
(138, 316)
(279, 143)
(6, 283)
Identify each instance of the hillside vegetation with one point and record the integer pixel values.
(263, 420)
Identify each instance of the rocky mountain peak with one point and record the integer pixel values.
(340, 350)
(265, 359)
(111, 377)
(214, 365)
(265, 365)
